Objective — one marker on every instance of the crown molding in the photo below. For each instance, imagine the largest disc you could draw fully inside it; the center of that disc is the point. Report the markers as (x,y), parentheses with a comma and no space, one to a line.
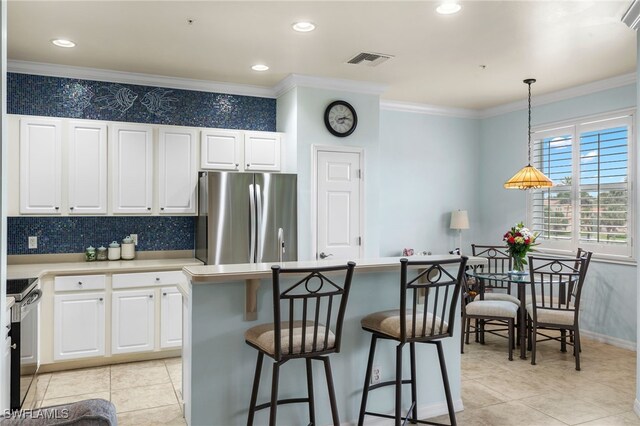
(632,16)
(561,95)
(67,71)
(389,105)
(300,80)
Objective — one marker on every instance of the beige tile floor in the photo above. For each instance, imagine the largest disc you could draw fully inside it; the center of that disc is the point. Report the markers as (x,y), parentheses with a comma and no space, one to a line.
(495,391)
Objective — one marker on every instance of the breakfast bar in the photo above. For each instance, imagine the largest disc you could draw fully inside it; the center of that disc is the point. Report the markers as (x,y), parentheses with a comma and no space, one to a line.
(222,301)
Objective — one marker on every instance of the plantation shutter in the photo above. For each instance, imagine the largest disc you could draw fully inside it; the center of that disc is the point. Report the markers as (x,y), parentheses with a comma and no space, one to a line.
(552,208)
(604,190)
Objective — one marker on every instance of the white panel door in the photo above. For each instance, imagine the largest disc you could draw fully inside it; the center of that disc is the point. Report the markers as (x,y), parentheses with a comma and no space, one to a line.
(177,171)
(79,326)
(132,321)
(221,150)
(132,168)
(87,168)
(338,205)
(262,151)
(40,166)
(170,318)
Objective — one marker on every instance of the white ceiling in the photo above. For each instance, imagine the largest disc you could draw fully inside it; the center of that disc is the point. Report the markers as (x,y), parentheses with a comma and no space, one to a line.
(437,59)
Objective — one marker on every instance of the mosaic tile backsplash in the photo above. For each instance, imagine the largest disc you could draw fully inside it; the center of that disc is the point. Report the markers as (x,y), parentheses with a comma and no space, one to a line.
(73,234)
(72,98)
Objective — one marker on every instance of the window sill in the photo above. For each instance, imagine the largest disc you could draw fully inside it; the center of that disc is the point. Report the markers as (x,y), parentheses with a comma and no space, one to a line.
(599,258)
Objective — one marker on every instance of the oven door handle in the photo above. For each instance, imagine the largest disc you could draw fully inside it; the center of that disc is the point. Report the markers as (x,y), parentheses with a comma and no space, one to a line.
(34,296)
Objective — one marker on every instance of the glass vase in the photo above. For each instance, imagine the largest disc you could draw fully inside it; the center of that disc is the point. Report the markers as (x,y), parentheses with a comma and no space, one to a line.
(518,264)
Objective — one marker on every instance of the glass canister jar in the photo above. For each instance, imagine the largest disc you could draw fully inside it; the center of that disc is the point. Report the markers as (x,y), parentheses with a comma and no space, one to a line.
(90,254)
(114,251)
(128,248)
(101,253)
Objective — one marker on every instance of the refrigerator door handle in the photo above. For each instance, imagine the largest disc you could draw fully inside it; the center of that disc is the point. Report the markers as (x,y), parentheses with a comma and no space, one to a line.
(252,224)
(259,218)
(280,245)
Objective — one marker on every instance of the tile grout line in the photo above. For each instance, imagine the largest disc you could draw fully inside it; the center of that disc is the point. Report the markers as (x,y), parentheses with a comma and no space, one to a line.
(173,385)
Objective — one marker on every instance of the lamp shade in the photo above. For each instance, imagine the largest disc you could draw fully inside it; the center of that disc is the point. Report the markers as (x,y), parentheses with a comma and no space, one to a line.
(527,178)
(459,219)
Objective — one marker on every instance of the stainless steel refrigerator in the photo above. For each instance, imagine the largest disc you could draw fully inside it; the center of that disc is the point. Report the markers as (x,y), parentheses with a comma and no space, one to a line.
(246,218)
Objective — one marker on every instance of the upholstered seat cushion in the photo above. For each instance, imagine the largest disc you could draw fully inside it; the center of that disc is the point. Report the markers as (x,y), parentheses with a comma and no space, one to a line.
(492,308)
(262,336)
(499,296)
(388,322)
(553,316)
(548,301)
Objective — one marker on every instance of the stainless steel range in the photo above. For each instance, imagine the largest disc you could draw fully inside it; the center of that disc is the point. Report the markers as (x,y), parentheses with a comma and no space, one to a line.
(24,337)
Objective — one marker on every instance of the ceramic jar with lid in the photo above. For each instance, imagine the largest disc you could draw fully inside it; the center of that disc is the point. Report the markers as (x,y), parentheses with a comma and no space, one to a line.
(101,253)
(128,248)
(90,254)
(114,251)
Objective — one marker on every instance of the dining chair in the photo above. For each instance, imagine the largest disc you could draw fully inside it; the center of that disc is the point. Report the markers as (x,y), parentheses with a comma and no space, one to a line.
(498,261)
(485,311)
(429,292)
(312,331)
(556,288)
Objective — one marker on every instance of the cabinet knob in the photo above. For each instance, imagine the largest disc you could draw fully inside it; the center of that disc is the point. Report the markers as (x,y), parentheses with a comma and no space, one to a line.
(248,164)
(148,208)
(237,165)
(79,282)
(101,299)
(157,278)
(151,296)
(70,208)
(14,346)
(161,208)
(57,208)
(164,294)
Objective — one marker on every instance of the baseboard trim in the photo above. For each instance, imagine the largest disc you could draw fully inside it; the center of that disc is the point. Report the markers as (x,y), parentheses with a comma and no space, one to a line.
(614,341)
(424,411)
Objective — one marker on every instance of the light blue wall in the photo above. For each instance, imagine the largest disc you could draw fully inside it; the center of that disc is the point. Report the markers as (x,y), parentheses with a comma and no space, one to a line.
(609,298)
(428,168)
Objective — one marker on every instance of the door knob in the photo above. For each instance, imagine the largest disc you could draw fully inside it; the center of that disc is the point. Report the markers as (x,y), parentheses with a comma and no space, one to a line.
(324,256)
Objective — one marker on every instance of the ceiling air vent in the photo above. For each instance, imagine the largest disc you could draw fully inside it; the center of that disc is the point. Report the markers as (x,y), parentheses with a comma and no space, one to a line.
(369,59)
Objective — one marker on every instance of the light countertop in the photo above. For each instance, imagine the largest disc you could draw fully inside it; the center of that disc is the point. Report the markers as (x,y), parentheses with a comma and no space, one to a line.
(10,302)
(246,271)
(39,270)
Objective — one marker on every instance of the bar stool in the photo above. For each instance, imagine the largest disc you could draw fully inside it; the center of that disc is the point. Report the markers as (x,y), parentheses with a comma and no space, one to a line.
(428,307)
(312,332)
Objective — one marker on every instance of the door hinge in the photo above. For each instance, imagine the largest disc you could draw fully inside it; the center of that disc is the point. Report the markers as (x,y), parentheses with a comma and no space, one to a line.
(359,241)
(359,173)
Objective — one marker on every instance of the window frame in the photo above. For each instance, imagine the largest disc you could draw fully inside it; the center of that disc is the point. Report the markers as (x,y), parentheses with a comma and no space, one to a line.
(575,128)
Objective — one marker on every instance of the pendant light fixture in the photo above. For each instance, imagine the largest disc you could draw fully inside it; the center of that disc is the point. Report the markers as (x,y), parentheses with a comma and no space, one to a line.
(528,177)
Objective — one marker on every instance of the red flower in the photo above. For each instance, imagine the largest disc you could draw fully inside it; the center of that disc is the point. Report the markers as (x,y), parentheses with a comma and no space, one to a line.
(511,240)
(518,234)
(527,241)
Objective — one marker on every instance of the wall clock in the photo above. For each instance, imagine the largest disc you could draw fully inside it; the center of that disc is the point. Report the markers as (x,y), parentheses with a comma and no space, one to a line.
(340,118)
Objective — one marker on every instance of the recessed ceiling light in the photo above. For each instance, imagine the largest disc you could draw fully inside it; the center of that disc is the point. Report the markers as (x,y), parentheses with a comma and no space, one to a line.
(304,27)
(448,8)
(61,42)
(259,67)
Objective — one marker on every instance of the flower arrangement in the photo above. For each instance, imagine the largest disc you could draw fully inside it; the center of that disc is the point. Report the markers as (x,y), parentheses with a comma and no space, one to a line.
(520,241)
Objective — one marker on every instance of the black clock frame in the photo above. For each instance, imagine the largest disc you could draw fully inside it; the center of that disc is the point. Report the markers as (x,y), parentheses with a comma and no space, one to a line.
(328,125)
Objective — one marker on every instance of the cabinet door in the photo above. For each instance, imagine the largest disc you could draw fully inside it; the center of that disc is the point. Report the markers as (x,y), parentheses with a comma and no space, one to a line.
(177,171)
(170,318)
(79,325)
(132,168)
(132,321)
(221,150)
(40,166)
(87,168)
(262,151)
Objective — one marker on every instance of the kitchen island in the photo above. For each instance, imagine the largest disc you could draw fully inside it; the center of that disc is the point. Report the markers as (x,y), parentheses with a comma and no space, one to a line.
(218,366)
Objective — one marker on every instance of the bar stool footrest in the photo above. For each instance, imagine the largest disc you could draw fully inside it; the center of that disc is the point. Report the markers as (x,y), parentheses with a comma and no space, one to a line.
(389,416)
(388,383)
(282,401)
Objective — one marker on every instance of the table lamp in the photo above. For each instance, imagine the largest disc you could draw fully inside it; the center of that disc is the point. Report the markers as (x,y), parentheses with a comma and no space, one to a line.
(459,221)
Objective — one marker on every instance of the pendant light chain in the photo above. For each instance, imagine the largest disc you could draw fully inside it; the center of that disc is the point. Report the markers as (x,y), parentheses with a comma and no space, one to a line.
(529,144)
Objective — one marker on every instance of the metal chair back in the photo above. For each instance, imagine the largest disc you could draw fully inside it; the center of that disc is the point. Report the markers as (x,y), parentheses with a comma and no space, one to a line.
(498,262)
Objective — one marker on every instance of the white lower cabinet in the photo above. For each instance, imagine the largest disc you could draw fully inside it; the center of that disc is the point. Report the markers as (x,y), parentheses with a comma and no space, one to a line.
(79,324)
(133,321)
(170,318)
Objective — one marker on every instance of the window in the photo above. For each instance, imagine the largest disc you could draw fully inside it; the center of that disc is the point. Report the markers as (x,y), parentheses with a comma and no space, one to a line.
(590,205)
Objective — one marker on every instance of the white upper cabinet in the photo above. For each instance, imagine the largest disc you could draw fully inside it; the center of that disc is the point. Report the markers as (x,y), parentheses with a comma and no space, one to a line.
(177,170)
(221,149)
(131,168)
(87,167)
(40,166)
(262,151)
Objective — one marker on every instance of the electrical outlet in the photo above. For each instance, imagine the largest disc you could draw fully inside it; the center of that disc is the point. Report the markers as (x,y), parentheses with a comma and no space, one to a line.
(376,375)
(134,237)
(33,242)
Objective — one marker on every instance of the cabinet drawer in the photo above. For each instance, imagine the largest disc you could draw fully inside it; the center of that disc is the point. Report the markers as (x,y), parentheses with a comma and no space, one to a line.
(147,279)
(79,282)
